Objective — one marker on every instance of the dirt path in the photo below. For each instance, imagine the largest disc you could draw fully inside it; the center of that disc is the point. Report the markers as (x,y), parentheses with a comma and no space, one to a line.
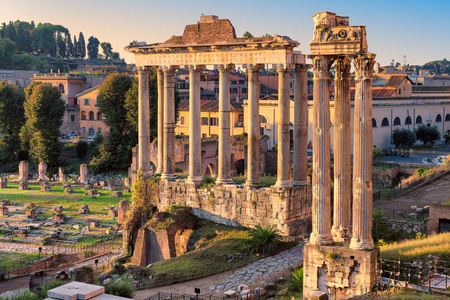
(187,287)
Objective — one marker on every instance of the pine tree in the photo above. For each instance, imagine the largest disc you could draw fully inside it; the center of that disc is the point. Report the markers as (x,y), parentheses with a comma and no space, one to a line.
(92,47)
(69,46)
(75,48)
(81,46)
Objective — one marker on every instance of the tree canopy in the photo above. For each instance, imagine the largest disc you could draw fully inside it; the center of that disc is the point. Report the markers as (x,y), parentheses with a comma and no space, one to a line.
(403,138)
(92,47)
(107,49)
(427,134)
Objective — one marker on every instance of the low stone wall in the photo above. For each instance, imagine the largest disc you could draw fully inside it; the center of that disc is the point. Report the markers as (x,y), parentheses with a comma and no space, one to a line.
(236,205)
(438,213)
(405,226)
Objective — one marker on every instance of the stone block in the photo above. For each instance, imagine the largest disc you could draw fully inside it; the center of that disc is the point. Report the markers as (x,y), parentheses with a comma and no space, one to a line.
(117,194)
(318,295)
(230,294)
(3,183)
(76,290)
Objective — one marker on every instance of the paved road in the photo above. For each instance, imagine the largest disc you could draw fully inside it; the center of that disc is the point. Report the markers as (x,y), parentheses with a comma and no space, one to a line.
(417,156)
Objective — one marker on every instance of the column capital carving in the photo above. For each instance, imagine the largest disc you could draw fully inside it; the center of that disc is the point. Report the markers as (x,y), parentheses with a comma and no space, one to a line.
(302,67)
(321,66)
(225,68)
(170,69)
(342,66)
(144,69)
(196,68)
(364,66)
(253,67)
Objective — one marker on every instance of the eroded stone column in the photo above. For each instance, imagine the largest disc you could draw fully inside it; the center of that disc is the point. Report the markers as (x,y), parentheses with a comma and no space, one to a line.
(300,162)
(24,170)
(84,174)
(362,154)
(160,80)
(283,176)
(169,124)
(253,125)
(321,206)
(42,169)
(195,142)
(224,170)
(342,150)
(144,121)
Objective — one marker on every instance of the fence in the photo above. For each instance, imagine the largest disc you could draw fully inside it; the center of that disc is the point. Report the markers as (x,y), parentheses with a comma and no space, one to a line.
(51,257)
(272,284)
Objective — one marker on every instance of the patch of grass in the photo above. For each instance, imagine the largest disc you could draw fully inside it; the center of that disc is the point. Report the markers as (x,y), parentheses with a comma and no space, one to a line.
(267,180)
(436,245)
(14,260)
(402,294)
(22,295)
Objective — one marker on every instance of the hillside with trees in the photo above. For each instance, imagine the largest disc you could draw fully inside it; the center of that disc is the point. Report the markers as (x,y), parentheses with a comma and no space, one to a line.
(45,46)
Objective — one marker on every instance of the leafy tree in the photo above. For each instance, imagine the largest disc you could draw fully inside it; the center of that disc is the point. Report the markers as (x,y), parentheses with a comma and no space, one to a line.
(82,149)
(69,46)
(446,137)
(247,34)
(267,35)
(92,47)
(107,49)
(44,111)
(115,55)
(60,45)
(377,154)
(7,53)
(427,134)
(263,238)
(75,48)
(81,46)
(11,108)
(403,138)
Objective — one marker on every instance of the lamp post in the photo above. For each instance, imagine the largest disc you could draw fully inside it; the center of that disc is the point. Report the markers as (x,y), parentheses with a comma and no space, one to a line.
(40,250)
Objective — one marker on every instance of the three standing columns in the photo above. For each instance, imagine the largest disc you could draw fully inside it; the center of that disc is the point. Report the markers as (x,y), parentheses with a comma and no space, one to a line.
(144,121)
(300,163)
(342,150)
(195,143)
(169,124)
(321,206)
(224,170)
(362,154)
(253,125)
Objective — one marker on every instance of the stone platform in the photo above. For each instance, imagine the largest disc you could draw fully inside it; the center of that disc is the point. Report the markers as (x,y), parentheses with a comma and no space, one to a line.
(80,291)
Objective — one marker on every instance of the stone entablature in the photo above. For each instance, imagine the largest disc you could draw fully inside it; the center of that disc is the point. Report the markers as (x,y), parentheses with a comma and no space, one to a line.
(235,205)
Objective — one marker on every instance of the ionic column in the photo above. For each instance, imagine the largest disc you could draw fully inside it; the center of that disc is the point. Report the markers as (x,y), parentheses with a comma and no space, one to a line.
(224,171)
(342,150)
(144,121)
(195,142)
(160,80)
(283,176)
(300,162)
(253,125)
(321,206)
(362,154)
(169,124)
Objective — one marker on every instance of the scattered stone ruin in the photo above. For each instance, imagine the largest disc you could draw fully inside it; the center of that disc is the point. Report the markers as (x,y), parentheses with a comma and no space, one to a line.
(84,210)
(42,171)
(62,177)
(84,174)
(30,210)
(338,262)
(59,216)
(3,209)
(124,206)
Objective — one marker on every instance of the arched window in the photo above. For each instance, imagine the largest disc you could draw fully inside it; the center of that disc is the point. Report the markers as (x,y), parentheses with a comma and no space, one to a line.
(262,119)
(374,123)
(91,131)
(99,131)
(83,115)
(447,117)
(408,120)
(439,118)
(83,131)
(385,122)
(61,88)
(91,115)
(99,116)
(419,120)
(397,121)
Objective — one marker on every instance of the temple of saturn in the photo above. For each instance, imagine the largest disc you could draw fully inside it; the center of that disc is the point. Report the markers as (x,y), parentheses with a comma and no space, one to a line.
(212,42)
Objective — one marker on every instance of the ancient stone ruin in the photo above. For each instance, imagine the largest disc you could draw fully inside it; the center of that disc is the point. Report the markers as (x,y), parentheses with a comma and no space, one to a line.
(338,262)
(62,177)
(59,216)
(42,171)
(3,183)
(84,174)
(3,210)
(84,210)
(30,210)
(124,206)
(23,175)
(45,186)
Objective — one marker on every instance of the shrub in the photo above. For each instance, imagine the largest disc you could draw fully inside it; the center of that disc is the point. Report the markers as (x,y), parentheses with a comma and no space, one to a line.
(295,284)
(403,138)
(179,170)
(121,289)
(51,284)
(82,149)
(263,238)
(419,172)
(88,253)
(427,134)
(22,295)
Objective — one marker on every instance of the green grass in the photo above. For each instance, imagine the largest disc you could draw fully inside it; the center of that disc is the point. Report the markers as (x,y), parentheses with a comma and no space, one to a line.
(10,257)
(437,245)
(56,196)
(265,180)
(402,294)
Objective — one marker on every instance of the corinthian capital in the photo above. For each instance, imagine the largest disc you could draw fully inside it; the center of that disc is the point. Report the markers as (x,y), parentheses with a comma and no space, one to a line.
(342,67)
(364,66)
(321,66)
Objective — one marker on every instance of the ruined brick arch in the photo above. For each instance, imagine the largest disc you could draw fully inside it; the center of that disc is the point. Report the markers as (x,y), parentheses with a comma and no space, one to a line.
(240,167)
(152,167)
(211,170)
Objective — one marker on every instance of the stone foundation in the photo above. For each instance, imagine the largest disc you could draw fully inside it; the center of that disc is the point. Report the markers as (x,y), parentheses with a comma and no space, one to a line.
(289,209)
(338,271)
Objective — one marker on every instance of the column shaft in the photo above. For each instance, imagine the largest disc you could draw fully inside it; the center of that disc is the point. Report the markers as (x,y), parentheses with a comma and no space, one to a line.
(144,122)
(342,150)
(253,126)
(160,81)
(195,142)
(362,154)
(224,170)
(300,162)
(283,165)
(321,206)
(169,124)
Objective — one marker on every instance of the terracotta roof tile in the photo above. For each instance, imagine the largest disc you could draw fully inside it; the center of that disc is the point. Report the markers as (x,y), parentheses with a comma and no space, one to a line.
(209,105)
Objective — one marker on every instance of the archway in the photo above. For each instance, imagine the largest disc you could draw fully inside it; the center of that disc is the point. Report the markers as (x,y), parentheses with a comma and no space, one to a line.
(210,170)
(240,167)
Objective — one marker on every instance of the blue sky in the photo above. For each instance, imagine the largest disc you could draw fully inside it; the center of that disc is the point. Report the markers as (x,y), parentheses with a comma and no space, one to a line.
(418,29)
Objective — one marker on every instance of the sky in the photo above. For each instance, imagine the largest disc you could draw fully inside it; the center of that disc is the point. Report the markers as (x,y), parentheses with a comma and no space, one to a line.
(416,29)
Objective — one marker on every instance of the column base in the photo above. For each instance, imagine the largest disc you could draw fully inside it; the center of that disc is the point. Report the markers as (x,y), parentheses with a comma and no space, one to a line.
(252,184)
(321,239)
(356,244)
(283,184)
(300,182)
(167,176)
(158,171)
(340,234)
(224,181)
(195,179)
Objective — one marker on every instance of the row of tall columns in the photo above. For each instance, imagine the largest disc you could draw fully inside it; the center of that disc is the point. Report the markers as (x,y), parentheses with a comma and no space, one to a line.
(322,233)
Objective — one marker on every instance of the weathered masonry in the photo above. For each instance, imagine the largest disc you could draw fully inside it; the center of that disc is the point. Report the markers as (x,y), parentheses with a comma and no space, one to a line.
(339,262)
(212,42)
